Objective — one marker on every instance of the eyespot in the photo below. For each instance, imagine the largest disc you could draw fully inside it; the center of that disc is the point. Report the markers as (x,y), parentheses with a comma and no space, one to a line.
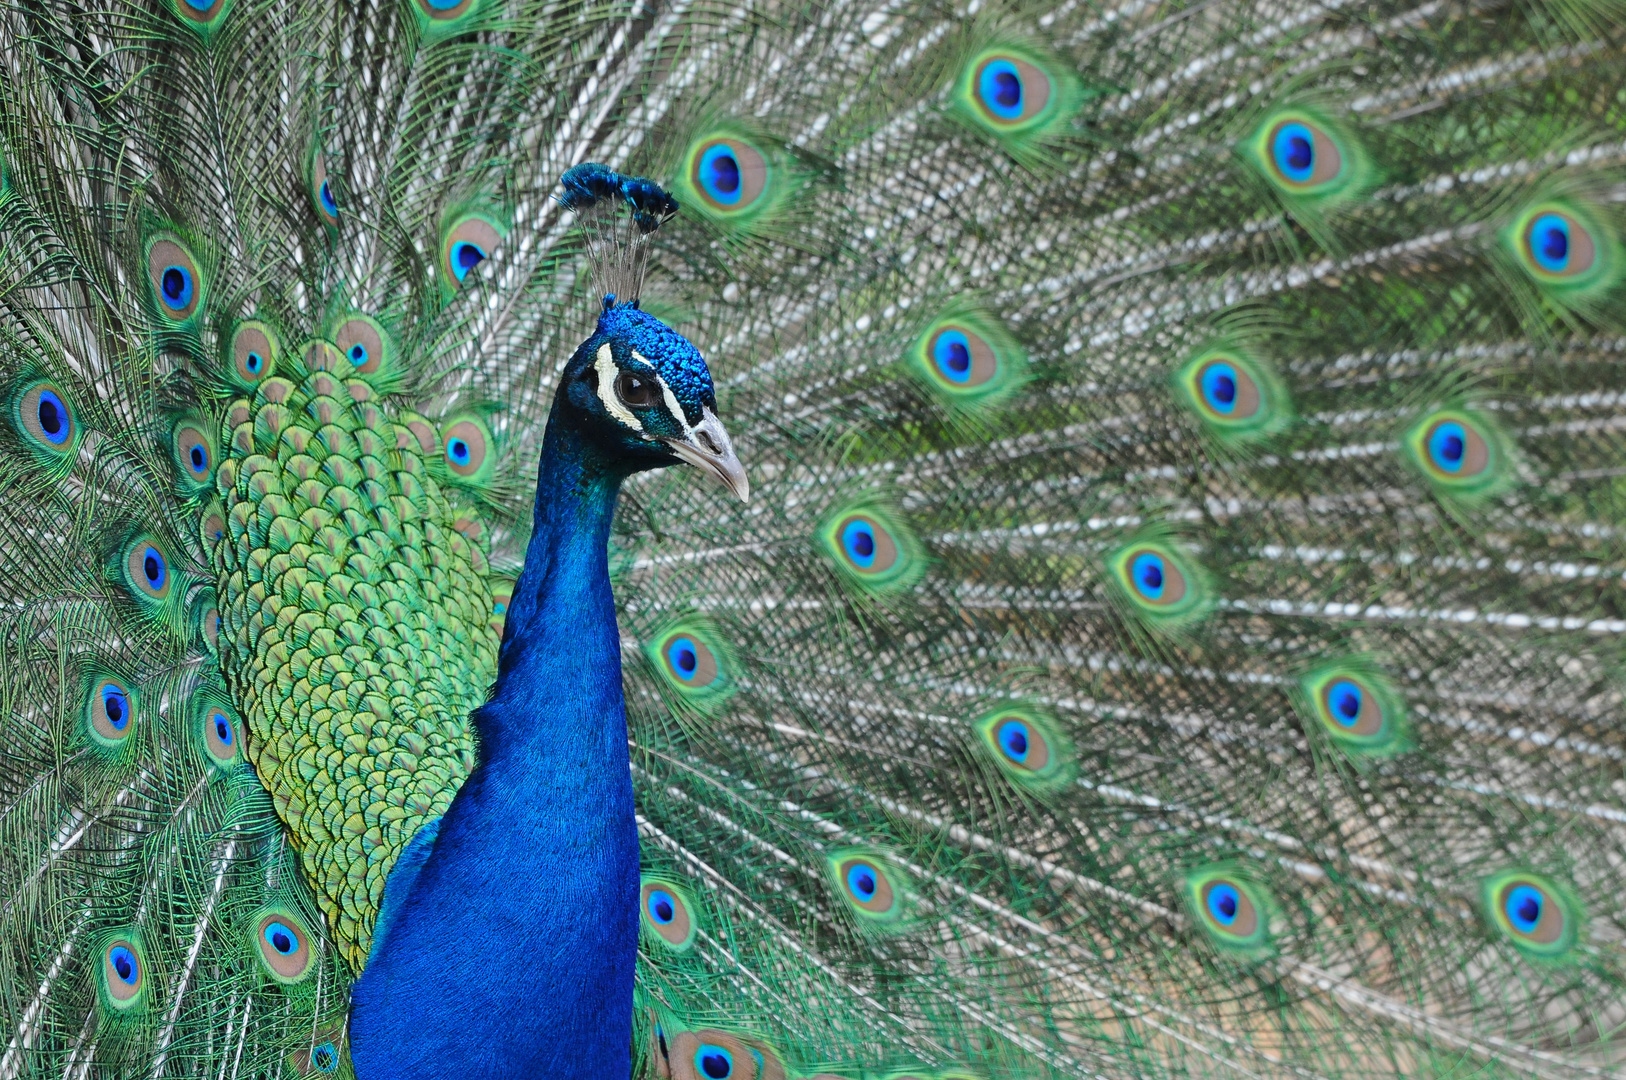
(1533,913)
(1356,705)
(1558,245)
(666,913)
(147,569)
(212,529)
(636,391)
(1029,748)
(1233,910)
(694,660)
(1459,452)
(110,711)
(502,595)
(220,727)
(1010,91)
(969,362)
(961,357)
(325,1058)
(253,352)
(466,245)
(123,973)
(467,448)
(194,454)
(45,418)
(867,885)
(361,342)
(713,1062)
(1304,155)
(176,284)
(871,886)
(322,198)
(729,174)
(283,945)
(1236,395)
(209,626)
(1161,584)
(1155,578)
(871,549)
(710,1054)
(444,10)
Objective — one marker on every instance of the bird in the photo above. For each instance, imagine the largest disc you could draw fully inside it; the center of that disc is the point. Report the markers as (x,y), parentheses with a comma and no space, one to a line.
(941,539)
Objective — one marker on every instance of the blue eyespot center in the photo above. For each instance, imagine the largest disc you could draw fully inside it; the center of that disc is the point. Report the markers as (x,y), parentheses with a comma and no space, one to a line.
(1147,572)
(358,354)
(1224,903)
(465,257)
(858,540)
(53,417)
(124,964)
(714,1062)
(152,567)
(281,938)
(1294,151)
(199,459)
(222,728)
(1345,699)
(1448,446)
(175,286)
(1219,387)
(1000,88)
(861,881)
(1550,243)
(1523,905)
(329,204)
(951,352)
(662,907)
(685,657)
(720,174)
(116,707)
(325,1058)
(1013,739)
(458,451)
(253,363)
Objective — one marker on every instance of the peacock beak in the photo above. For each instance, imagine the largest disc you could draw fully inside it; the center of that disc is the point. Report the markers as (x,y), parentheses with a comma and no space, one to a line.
(708,448)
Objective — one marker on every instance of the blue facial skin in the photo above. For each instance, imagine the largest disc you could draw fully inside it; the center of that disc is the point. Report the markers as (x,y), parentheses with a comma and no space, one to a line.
(509,929)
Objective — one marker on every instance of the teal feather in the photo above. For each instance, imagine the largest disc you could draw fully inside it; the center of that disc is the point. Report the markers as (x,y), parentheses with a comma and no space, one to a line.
(1431,866)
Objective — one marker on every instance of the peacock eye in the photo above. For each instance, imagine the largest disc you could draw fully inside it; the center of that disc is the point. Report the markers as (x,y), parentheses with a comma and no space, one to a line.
(635,391)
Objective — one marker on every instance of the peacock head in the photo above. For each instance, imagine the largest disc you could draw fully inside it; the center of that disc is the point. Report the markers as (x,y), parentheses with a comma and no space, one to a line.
(637,389)
(641,393)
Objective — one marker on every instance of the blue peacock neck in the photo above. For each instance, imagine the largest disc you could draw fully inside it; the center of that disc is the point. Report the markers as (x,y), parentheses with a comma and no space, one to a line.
(512,933)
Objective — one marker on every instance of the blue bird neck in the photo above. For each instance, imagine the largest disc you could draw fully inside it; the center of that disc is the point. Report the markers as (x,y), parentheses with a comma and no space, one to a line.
(512,931)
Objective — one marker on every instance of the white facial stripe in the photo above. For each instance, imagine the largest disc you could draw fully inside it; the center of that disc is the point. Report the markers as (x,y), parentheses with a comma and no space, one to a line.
(673,407)
(604,364)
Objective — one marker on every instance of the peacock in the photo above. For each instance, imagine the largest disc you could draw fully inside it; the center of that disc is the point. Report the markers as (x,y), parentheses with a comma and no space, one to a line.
(822,540)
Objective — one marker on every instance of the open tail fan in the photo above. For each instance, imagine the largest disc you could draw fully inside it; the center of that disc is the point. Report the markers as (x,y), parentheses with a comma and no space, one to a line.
(1177,628)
